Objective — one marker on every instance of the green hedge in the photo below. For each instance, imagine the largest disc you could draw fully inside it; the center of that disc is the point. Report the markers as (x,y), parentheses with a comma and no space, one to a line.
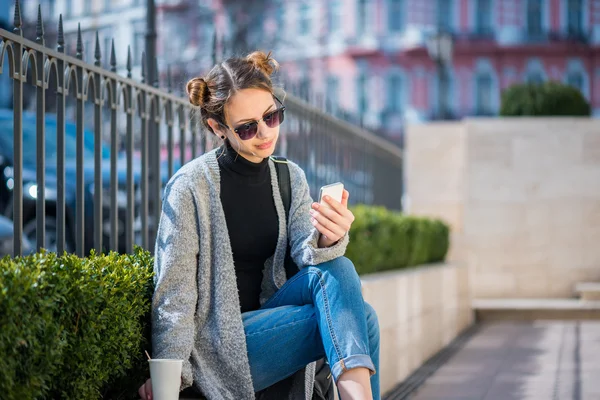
(382,240)
(545,99)
(72,328)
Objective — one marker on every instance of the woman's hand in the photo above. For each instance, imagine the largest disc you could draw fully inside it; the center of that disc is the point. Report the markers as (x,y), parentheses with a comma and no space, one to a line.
(145,391)
(332,222)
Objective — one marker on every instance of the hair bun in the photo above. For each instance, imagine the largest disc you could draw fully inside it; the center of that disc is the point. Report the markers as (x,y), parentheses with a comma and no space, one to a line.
(197,90)
(263,61)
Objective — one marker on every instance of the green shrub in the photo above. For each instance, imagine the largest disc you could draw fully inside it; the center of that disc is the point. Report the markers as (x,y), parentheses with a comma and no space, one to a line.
(74,328)
(422,240)
(545,99)
(440,241)
(382,240)
(370,226)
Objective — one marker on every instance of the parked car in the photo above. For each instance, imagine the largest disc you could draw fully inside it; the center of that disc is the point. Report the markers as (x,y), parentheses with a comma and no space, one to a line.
(30,185)
(7,238)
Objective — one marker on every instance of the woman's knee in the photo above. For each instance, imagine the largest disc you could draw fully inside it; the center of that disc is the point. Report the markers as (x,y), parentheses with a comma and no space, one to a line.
(341,269)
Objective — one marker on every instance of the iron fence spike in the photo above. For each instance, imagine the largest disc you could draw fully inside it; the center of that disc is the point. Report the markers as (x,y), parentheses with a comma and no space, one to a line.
(156,75)
(128,61)
(61,35)
(113,57)
(79,47)
(39,28)
(143,67)
(169,79)
(97,52)
(17,19)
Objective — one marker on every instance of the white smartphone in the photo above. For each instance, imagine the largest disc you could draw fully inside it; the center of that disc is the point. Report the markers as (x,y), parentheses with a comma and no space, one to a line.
(335,190)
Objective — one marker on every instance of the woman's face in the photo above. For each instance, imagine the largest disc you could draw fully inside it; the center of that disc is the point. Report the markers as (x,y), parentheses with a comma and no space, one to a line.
(246,106)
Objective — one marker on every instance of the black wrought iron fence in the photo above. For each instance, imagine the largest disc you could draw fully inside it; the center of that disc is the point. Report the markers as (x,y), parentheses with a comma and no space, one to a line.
(331,150)
(74,188)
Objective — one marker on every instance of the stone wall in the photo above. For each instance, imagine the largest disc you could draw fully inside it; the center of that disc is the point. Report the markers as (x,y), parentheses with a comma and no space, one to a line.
(420,311)
(522,196)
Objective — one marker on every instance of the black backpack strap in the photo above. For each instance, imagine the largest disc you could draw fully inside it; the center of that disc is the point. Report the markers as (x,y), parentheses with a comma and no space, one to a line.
(285,184)
(285,189)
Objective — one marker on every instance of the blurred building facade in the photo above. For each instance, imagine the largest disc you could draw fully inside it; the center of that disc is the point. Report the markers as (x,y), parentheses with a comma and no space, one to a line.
(364,60)
(369,57)
(184,31)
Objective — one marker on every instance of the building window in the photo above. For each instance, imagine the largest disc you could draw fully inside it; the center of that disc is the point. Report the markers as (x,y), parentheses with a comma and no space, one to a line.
(304,22)
(280,15)
(575,79)
(304,88)
(207,31)
(535,77)
(362,17)
(395,15)
(484,94)
(361,91)
(51,9)
(87,7)
(483,22)
(68,8)
(534,71)
(333,87)
(88,50)
(534,18)
(574,17)
(394,93)
(107,48)
(444,15)
(334,14)
(139,43)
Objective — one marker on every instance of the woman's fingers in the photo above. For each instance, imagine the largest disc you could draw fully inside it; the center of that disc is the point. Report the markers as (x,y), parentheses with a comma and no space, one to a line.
(331,216)
(327,227)
(325,232)
(345,196)
(145,390)
(142,392)
(336,206)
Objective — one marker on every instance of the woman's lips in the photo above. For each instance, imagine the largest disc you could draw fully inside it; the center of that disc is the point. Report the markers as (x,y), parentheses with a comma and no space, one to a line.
(265,146)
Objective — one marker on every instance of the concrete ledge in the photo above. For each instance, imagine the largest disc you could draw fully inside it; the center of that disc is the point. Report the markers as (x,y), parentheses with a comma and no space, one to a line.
(420,310)
(533,309)
(589,291)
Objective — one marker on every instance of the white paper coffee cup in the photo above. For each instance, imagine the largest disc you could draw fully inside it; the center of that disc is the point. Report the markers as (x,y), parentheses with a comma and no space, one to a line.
(166,378)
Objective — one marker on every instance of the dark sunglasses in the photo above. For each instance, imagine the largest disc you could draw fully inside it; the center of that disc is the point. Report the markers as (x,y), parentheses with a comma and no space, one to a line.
(273,119)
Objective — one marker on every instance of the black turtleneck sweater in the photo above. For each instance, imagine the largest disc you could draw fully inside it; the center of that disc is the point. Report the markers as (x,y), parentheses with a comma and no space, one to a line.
(252,221)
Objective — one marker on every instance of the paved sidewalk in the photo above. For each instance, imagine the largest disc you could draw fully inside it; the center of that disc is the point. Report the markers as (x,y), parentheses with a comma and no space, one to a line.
(541,360)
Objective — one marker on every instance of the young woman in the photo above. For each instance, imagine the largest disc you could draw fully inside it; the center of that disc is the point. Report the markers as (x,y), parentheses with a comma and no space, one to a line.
(222,302)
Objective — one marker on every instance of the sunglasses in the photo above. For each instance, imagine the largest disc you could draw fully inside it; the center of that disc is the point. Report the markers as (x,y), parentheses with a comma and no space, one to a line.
(272,119)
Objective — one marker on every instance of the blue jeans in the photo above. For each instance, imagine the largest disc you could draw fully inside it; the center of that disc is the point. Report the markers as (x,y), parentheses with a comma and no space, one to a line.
(318,312)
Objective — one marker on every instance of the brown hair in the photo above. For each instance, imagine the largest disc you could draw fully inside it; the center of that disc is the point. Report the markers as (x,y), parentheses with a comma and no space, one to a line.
(211,93)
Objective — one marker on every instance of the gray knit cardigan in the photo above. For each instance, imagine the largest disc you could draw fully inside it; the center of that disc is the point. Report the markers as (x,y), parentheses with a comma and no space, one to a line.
(195,308)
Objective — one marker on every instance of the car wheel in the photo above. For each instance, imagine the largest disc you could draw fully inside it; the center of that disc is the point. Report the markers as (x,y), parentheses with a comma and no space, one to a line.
(30,228)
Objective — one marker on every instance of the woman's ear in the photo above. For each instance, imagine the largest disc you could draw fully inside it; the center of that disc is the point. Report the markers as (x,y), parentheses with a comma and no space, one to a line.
(216,127)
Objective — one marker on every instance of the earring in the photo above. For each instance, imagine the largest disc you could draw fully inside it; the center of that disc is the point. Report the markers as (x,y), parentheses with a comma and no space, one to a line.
(222,136)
